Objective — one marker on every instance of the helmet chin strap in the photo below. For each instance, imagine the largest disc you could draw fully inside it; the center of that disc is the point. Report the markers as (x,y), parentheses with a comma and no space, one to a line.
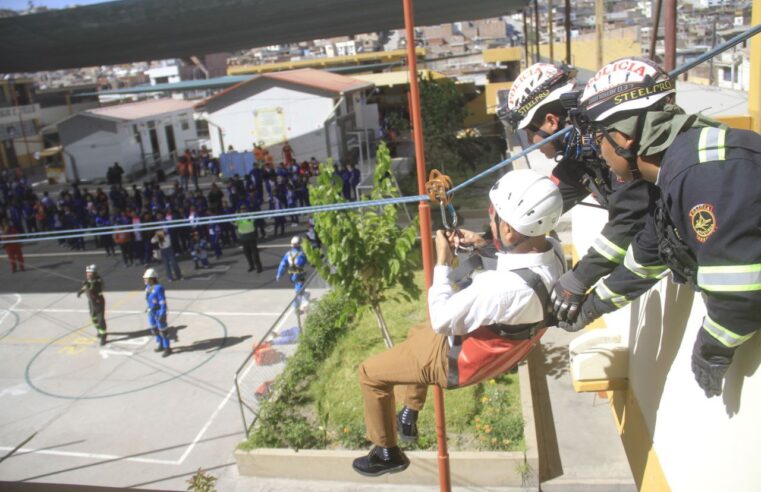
(631,157)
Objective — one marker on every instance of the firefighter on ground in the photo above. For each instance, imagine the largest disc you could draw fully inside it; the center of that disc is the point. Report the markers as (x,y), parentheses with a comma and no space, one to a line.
(534,105)
(157,311)
(475,333)
(294,262)
(93,288)
(704,227)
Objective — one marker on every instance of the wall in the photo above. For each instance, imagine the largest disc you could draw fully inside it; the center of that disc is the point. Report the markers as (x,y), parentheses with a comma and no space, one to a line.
(54,114)
(302,114)
(93,154)
(675,437)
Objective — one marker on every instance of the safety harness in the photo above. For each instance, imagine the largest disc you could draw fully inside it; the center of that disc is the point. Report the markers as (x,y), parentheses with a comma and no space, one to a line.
(673,250)
(494,349)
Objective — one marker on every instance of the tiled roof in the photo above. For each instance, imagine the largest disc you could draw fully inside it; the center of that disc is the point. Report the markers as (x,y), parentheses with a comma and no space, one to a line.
(142,109)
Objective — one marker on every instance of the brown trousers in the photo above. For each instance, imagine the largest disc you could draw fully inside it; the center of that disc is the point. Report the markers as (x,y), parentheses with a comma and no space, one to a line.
(418,362)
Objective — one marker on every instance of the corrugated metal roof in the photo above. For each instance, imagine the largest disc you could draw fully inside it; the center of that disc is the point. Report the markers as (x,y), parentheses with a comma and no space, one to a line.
(307,77)
(142,109)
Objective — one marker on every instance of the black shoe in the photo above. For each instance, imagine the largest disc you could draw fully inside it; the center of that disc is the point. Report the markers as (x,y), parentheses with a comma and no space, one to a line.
(102,339)
(250,269)
(167,352)
(407,431)
(158,349)
(381,460)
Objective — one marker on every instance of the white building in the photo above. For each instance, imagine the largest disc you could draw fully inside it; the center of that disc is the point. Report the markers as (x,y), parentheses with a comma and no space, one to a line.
(139,136)
(321,114)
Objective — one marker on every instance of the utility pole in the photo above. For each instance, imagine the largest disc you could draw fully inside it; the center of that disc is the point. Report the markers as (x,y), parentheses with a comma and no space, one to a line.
(599,26)
(568,31)
(525,38)
(669,58)
(552,35)
(536,31)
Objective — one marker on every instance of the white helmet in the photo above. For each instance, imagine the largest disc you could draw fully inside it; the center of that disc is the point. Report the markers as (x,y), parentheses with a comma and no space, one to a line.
(624,85)
(91,268)
(151,273)
(296,241)
(529,202)
(538,85)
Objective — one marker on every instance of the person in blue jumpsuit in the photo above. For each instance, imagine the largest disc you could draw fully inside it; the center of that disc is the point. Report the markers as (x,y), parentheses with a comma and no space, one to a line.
(157,311)
(294,262)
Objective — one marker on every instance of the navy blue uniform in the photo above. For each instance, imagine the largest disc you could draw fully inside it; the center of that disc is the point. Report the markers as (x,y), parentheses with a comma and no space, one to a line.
(627,205)
(708,183)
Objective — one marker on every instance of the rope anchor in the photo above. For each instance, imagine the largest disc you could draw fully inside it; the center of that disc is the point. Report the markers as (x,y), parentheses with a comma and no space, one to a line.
(438,187)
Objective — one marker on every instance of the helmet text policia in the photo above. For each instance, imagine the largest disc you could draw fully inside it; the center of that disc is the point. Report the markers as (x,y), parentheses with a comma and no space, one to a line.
(535,87)
(91,268)
(529,202)
(625,86)
(151,273)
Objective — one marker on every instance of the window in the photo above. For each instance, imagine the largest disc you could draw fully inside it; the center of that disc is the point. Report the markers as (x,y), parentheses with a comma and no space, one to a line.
(726,74)
(185,125)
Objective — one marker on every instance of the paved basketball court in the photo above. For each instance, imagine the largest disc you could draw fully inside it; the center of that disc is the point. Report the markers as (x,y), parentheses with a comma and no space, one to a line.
(122,415)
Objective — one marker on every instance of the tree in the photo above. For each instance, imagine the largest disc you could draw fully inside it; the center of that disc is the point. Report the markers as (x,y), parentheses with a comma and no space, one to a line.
(443,112)
(366,252)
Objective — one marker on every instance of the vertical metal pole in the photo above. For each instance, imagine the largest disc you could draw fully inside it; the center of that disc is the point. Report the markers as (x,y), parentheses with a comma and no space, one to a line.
(525,38)
(425,229)
(568,32)
(599,26)
(656,23)
(20,121)
(536,31)
(754,91)
(550,21)
(669,59)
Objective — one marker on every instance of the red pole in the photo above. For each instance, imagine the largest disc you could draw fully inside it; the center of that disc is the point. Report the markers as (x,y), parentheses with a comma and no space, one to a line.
(425,229)
(669,58)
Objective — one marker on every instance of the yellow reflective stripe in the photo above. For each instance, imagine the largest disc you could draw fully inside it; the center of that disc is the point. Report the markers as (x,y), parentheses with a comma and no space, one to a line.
(642,271)
(722,334)
(711,144)
(720,144)
(606,294)
(608,250)
(734,278)
(702,144)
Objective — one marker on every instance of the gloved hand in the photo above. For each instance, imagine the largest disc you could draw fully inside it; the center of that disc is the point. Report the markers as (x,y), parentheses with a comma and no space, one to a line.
(591,309)
(710,360)
(567,296)
(277,278)
(79,294)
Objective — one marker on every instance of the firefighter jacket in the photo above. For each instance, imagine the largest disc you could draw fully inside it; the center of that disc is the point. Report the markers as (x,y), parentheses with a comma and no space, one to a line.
(708,183)
(627,205)
(93,289)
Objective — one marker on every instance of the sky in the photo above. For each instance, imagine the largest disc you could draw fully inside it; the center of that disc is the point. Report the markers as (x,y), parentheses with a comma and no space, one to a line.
(54,4)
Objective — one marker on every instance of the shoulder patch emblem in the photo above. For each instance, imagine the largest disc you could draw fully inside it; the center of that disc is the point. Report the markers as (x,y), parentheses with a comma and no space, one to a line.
(703,221)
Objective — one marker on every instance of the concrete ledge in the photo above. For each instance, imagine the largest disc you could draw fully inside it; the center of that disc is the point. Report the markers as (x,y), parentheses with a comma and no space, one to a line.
(467,468)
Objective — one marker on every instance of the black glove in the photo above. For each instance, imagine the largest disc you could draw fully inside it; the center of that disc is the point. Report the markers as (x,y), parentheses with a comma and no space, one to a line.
(591,309)
(567,296)
(79,294)
(710,360)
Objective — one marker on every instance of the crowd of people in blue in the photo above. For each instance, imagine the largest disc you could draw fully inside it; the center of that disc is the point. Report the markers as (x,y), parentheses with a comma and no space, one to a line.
(82,206)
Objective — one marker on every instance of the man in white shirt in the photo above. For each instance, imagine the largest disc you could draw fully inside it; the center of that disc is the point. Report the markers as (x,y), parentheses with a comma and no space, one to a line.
(477,332)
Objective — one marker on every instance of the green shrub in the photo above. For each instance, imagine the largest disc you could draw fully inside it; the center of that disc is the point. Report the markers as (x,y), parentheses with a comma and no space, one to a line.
(282,422)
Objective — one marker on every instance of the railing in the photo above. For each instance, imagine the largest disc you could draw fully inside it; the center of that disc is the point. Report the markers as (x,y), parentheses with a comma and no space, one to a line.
(251,402)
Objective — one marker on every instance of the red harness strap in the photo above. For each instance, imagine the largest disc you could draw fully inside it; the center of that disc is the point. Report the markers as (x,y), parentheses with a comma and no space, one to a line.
(492,350)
